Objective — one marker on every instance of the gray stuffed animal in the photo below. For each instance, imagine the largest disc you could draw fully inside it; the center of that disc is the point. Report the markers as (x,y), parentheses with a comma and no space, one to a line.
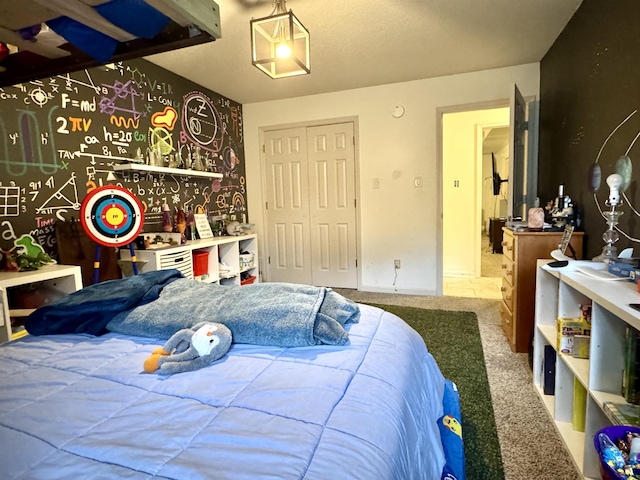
(190,349)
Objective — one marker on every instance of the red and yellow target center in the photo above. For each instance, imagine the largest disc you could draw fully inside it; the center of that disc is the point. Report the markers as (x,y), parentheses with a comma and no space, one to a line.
(114,216)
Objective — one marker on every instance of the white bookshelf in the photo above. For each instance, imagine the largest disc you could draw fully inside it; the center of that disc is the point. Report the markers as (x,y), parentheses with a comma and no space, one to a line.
(220,249)
(559,292)
(58,279)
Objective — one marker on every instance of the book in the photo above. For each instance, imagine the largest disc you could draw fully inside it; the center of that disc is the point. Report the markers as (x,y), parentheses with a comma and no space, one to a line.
(579,405)
(549,370)
(628,268)
(622,413)
(631,373)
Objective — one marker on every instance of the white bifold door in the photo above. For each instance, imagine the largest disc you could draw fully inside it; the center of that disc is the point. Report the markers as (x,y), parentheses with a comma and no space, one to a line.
(311,205)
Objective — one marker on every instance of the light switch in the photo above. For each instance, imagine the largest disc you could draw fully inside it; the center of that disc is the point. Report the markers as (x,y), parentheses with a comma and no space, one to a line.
(376,182)
(417,182)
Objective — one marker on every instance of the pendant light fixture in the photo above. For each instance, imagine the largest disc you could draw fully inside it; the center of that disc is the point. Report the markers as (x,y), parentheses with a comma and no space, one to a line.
(280,43)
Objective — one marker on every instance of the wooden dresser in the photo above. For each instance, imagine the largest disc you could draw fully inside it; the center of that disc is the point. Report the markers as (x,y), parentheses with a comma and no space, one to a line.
(520,251)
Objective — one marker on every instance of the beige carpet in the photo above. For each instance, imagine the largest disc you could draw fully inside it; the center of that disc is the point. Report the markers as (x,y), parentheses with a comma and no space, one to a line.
(530,445)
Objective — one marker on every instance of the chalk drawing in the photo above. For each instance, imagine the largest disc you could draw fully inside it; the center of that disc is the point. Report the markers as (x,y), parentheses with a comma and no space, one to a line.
(65,197)
(236,122)
(124,122)
(201,121)
(160,137)
(125,95)
(166,118)
(9,201)
(89,83)
(38,96)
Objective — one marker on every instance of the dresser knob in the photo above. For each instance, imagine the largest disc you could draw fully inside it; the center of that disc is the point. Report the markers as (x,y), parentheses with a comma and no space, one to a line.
(503,289)
(504,265)
(508,272)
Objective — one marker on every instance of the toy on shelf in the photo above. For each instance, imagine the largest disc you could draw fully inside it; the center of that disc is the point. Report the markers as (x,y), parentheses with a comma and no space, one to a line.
(25,255)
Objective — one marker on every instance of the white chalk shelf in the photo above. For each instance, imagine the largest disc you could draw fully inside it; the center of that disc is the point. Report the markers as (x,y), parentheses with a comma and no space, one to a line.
(141,167)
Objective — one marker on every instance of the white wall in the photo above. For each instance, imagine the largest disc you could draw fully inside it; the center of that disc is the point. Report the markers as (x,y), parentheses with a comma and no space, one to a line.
(397,220)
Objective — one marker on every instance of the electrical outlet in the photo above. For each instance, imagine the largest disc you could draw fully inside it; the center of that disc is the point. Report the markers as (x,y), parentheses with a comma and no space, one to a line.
(396,264)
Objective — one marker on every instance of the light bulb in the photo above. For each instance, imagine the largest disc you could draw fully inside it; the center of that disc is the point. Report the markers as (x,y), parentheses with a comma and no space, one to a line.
(283,50)
(614,181)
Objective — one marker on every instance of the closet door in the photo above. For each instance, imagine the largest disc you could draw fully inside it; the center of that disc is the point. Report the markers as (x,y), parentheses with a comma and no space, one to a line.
(311,212)
(332,205)
(289,248)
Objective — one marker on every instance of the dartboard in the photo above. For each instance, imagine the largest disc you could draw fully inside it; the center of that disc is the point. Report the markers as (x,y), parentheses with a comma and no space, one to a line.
(111,216)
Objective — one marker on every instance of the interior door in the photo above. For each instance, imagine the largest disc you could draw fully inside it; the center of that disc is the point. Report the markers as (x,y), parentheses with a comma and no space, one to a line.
(517,203)
(289,247)
(332,205)
(311,212)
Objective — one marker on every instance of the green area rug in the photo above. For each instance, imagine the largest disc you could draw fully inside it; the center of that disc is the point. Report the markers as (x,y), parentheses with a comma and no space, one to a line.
(453,338)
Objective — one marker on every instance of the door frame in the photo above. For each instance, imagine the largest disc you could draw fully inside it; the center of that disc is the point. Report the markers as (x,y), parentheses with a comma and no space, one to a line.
(480,126)
(440,112)
(356,154)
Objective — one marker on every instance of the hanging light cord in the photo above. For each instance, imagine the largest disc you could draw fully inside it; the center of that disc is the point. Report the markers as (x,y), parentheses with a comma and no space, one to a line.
(279,6)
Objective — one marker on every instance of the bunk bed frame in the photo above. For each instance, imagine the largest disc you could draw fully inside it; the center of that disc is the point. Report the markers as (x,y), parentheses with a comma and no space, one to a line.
(192,22)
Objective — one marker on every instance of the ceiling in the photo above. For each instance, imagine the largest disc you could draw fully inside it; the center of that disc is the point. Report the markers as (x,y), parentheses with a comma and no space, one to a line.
(496,139)
(358,43)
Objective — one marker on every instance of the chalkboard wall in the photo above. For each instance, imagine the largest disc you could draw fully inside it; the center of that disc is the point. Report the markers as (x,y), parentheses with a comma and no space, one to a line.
(61,136)
(589,85)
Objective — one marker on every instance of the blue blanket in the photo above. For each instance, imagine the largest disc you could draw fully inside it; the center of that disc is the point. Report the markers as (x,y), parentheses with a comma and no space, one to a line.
(90,309)
(76,406)
(279,314)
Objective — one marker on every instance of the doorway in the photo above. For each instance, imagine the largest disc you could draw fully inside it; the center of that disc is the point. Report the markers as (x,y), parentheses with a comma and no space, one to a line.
(311,205)
(475,143)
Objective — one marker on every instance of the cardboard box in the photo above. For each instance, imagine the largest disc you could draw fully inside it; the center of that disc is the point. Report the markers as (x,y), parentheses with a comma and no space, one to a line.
(566,329)
(581,346)
(625,268)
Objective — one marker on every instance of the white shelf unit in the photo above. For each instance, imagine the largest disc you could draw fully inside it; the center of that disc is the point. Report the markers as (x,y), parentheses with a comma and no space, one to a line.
(220,249)
(142,167)
(559,292)
(59,280)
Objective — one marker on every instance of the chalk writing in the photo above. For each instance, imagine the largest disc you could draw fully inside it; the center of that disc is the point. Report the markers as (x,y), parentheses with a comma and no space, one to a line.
(60,138)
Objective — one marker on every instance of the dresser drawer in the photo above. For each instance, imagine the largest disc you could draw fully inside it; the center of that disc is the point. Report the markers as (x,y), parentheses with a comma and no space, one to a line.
(506,317)
(507,246)
(507,294)
(507,270)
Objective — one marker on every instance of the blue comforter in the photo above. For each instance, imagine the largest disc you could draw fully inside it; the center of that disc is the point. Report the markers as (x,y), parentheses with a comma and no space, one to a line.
(77,406)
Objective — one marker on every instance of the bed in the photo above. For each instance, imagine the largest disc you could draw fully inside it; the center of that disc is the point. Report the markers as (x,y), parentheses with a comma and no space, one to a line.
(77,405)
(54,37)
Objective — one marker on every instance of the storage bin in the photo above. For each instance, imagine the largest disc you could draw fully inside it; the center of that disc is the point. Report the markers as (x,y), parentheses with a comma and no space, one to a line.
(614,432)
(246,261)
(200,262)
